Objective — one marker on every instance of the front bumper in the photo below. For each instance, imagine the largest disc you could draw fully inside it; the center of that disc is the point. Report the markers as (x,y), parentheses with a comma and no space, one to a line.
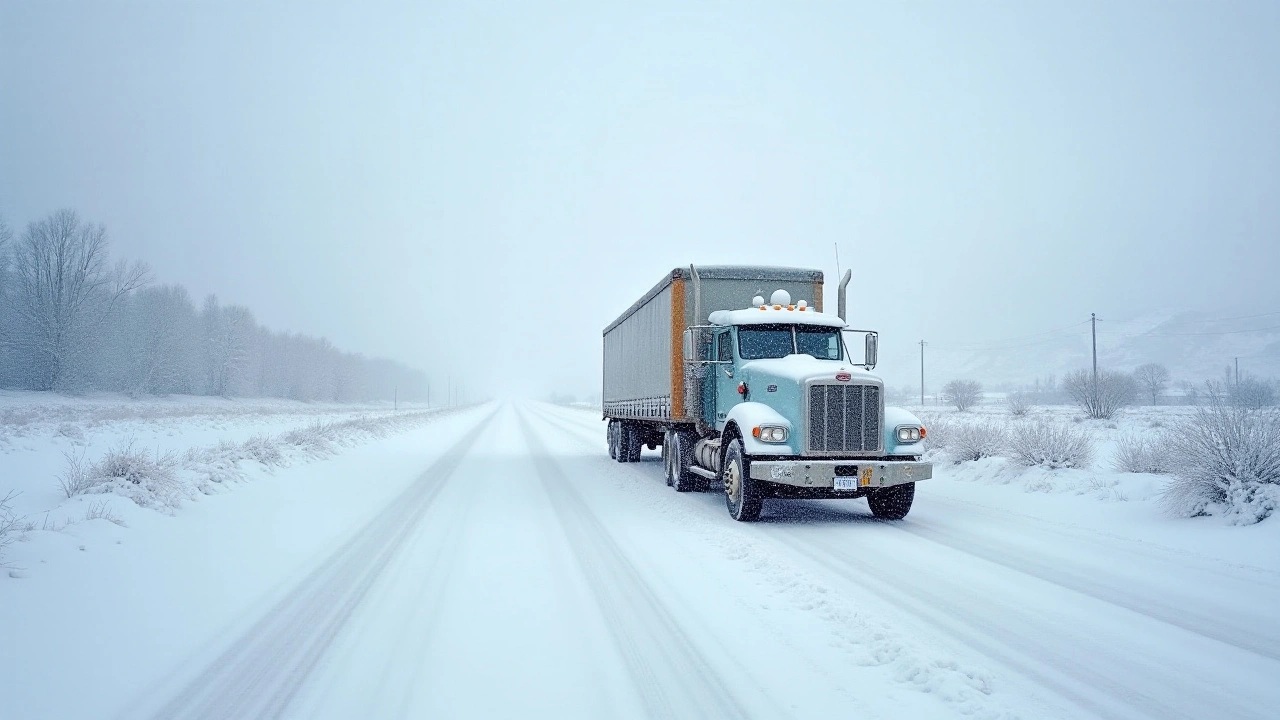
(822,473)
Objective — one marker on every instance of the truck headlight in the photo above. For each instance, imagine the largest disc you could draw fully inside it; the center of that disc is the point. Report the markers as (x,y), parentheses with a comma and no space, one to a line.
(909,433)
(769,433)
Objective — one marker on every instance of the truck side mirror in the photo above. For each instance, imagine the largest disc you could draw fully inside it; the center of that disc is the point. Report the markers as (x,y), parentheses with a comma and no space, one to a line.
(697,344)
(872,350)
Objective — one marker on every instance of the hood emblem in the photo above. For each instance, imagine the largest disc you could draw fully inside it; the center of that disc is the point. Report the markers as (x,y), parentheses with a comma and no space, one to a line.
(843,376)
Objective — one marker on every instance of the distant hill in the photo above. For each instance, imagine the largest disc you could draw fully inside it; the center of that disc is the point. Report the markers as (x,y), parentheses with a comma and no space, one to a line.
(1194,345)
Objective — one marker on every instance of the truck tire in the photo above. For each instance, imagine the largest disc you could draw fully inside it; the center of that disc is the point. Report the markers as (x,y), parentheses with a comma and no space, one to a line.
(681,454)
(892,503)
(612,434)
(741,494)
(628,443)
(668,443)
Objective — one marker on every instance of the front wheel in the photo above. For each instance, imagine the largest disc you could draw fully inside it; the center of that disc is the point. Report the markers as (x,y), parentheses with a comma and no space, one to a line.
(740,492)
(892,503)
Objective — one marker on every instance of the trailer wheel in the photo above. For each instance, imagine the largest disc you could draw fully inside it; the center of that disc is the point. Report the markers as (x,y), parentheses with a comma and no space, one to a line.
(892,503)
(612,434)
(740,492)
(668,443)
(681,454)
(629,443)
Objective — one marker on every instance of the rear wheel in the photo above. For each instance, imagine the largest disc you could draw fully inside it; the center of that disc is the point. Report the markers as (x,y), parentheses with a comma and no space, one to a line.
(892,503)
(681,453)
(668,443)
(612,434)
(741,494)
(628,443)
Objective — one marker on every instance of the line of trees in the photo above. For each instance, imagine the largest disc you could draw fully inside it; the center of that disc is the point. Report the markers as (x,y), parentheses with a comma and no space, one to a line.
(71,320)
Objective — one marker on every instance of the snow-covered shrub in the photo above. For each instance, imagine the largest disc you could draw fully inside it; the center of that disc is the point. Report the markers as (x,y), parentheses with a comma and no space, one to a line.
(146,478)
(9,523)
(1142,453)
(264,449)
(1051,445)
(1226,461)
(1103,399)
(975,440)
(76,476)
(71,432)
(937,429)
(102,511)
(1019,404)
(964,394)
(315,439)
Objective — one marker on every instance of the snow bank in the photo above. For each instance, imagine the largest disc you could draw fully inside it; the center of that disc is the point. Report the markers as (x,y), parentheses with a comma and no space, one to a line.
(1215,460)
(162,481)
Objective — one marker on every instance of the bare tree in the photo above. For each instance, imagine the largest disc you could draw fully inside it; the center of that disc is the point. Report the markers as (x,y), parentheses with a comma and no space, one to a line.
(964,394)
(228,337)
(1250,392)
(1019,403)
(1153,378)
(6,236)
(1103,399)
(162,329)
(1191,392)
(63,288)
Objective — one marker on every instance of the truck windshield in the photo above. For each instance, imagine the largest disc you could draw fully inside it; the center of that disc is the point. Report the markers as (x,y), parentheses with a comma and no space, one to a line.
(774,341)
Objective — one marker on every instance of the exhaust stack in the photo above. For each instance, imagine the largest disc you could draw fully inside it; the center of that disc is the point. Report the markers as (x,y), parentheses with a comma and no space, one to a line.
(697,296)
(844,282)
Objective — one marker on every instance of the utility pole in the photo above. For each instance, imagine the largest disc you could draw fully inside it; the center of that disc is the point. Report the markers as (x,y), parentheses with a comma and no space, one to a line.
(395,399)
(922,344)
(1237,372)
(1093,320)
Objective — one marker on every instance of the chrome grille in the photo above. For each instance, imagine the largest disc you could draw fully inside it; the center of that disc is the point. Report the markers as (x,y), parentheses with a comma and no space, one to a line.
(844,418)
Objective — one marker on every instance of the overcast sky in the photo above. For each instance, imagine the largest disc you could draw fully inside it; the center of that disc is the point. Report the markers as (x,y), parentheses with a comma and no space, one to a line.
(478,190)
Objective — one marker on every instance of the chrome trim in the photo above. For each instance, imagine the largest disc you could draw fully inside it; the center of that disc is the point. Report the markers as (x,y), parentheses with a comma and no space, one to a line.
(822,473)
(807,451)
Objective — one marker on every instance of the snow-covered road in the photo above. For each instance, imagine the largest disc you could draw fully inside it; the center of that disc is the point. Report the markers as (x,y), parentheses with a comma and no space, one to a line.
(499,564)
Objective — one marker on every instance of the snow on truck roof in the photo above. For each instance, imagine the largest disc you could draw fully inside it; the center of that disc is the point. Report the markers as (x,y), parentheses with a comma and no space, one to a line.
(778,310)
(773,315)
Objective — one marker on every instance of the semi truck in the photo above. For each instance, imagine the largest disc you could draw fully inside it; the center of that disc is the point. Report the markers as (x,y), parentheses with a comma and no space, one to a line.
(747,386)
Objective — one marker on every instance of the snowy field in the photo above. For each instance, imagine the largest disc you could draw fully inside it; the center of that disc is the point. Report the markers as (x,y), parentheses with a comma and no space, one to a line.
(494,562)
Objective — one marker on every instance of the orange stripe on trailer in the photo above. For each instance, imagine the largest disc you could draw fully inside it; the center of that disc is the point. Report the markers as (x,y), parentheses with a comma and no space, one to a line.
(677,347)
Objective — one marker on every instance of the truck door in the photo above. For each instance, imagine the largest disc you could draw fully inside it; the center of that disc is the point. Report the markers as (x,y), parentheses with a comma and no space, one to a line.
(726,381)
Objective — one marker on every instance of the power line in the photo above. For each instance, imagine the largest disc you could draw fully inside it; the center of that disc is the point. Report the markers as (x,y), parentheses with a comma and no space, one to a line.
(1188,334)
(1207,320)
(1001,341)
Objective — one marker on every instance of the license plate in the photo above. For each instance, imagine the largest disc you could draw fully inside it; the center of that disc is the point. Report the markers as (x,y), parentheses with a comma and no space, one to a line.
(846,483)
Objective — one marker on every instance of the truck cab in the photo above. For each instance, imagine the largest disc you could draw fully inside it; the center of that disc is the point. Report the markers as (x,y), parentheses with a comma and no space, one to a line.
(789,412)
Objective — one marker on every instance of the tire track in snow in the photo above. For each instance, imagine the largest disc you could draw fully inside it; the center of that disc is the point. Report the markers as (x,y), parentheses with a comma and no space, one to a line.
(1015,636)
(1255,640)
(672,677)
(262,672)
